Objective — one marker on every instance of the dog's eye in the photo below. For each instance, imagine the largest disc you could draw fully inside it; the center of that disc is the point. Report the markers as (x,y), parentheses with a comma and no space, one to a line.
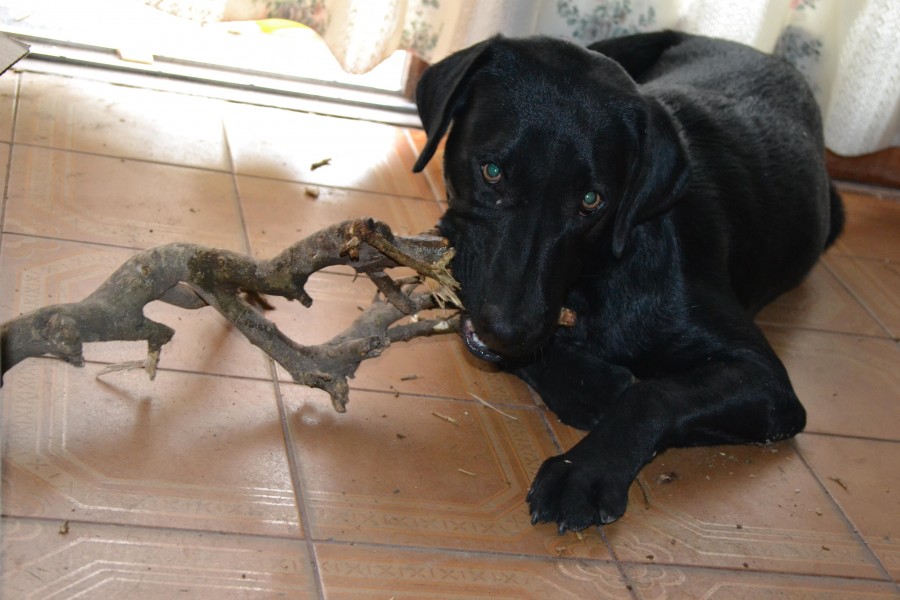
(591,202)
(491,172)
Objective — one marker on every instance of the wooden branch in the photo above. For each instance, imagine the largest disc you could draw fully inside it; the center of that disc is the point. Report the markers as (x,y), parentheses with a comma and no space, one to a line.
(192,276)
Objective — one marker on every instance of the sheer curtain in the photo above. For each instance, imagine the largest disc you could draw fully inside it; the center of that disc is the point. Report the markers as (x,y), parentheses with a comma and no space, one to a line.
(848,50)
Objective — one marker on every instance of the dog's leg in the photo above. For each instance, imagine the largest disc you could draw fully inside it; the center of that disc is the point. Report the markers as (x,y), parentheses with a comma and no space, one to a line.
(738,395)
(578,387)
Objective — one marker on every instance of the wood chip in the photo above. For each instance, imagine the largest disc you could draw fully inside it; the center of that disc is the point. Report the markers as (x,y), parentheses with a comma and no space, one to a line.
(667,477)
(445,418)
(469,473)
(320,164)
(644,493)
(311,192)
(567,317)
(840,482)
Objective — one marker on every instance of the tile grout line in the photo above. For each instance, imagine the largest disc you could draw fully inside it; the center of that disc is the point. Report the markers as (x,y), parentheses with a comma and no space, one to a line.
(224,171)
(49,520)
(788,327)
(629,585)
(236,190)
(12,144)
(303,508)
(847,436)
(844,516)
(855,296)
(880,192)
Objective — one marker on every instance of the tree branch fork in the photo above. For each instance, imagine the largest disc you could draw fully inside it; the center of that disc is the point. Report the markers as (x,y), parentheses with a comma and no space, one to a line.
(192,276)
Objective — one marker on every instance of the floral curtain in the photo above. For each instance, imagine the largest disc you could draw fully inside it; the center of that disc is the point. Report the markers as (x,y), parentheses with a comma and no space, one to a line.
(849,51)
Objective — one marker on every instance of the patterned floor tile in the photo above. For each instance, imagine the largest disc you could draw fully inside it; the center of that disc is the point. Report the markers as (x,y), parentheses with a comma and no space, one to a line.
(876,283)
(843,381)
(658,583)
(424,473)
(73,196)
(379,573)
(821,302)
(280,213)
(61,559)
(9,82)
(862,477)
(188,451)
(871,229)
(739,507)
(100,118)
(328,151)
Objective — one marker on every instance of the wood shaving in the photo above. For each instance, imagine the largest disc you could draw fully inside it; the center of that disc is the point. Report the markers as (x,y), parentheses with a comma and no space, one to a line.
(840,482)
(445,418)
(567,317)
(494,408)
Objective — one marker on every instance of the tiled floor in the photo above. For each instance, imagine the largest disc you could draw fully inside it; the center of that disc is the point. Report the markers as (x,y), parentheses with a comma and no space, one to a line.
(221,479)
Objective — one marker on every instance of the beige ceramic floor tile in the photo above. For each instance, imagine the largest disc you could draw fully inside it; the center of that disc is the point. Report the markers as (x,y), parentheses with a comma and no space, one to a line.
(8,84)
(102,561)
(738,507)
(397,470)
(871,228)
(731,506)
(115,201)
(100,118)
(282,144)
(821,302)
(863,478)
(441,366)
(657,583)
(848,384)
(438,366)
(186,451)
(381,573)
(876,283)
(37,272)
(280,213)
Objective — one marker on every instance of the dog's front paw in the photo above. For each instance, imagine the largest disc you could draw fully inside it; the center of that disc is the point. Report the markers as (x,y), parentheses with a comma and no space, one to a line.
(577,494)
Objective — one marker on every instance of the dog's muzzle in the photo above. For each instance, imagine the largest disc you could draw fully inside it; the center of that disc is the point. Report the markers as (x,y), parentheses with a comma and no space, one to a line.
(475,344)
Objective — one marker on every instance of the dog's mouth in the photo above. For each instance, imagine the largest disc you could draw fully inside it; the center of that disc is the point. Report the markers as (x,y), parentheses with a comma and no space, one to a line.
(475,344)
(479,348)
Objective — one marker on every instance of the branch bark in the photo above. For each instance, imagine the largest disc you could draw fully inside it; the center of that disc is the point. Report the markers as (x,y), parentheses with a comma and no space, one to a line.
(192,276)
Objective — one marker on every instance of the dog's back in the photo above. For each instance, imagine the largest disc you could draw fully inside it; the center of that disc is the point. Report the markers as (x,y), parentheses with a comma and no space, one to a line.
(744,116)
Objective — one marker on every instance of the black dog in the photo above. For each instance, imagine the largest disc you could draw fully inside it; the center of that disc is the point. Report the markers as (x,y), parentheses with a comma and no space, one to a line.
(663,186)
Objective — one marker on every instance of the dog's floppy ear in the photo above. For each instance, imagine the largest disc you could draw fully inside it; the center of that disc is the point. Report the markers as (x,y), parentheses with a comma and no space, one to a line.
(658,174)
(441,92)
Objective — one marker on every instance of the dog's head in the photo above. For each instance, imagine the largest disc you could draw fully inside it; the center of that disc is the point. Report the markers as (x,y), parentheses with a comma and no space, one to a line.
(553,157)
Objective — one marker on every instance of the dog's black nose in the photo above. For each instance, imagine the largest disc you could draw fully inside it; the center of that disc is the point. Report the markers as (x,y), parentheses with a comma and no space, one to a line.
(503,331)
